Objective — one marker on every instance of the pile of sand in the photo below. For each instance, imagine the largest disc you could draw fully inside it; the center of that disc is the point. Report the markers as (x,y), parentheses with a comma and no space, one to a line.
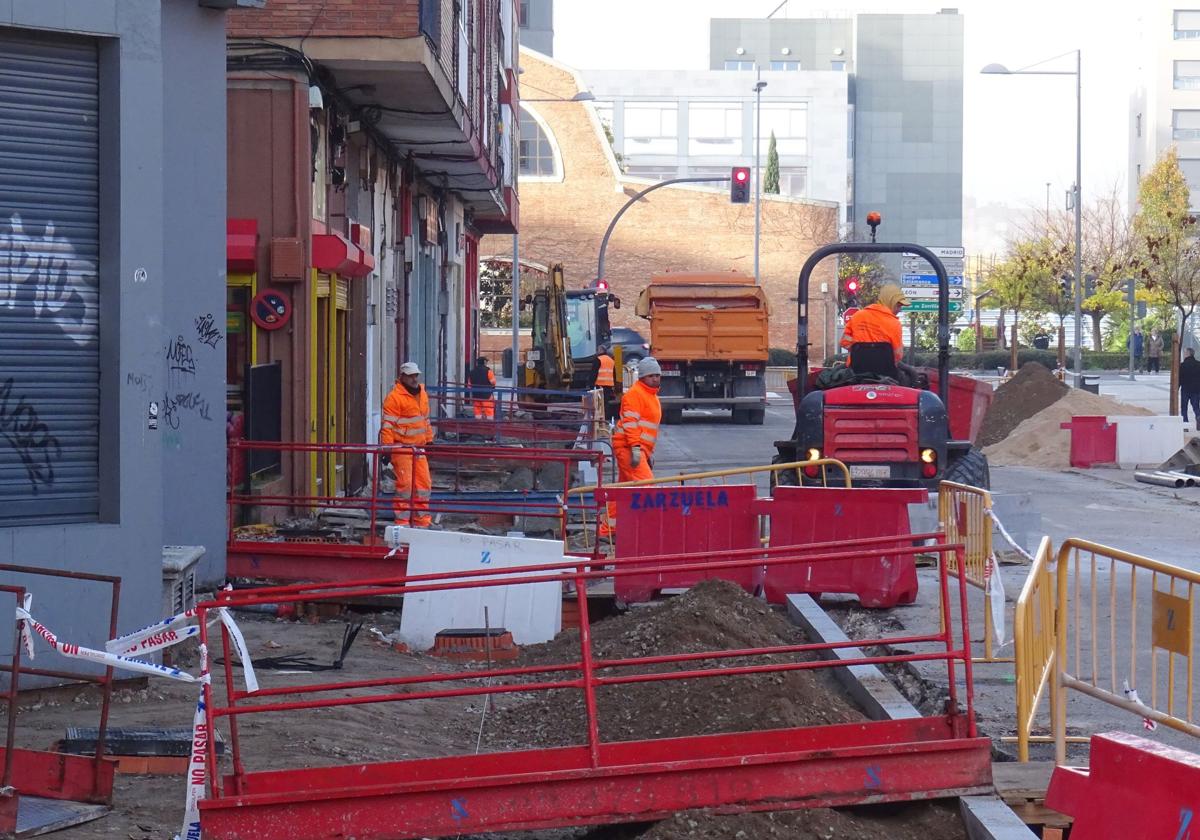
(1032,389)
(1040,441)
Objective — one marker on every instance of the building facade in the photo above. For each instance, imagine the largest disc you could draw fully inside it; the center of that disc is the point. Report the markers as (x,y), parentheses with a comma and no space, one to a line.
(1165,104)
(904,106)
(112,189)
(536,18)
(572,186)
(674,124)
(368,154)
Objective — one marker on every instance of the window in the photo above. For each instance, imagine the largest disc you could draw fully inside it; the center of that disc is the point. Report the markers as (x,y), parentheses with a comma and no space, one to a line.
(1139,125)
(789,121)
(838,65)
(714,128)
(537,157)
(604,110)
(651,128)
(1187,24)
(785,65)
(1187,74)
(1190,167)
(523,13)
(1185,125)
(739,65)
(654,173)
(793,181)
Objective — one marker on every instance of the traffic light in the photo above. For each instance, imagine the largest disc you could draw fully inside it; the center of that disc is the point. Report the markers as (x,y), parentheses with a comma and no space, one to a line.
(852,288)
(1066,286)
(739,185)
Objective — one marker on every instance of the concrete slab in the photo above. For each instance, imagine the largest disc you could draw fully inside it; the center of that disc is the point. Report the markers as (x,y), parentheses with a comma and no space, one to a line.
(866,684)
(989,818)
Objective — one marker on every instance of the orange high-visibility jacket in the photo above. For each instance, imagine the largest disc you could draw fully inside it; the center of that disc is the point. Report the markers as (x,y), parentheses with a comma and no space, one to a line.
(640,415)
(875,323)
(406,418)
(604,373)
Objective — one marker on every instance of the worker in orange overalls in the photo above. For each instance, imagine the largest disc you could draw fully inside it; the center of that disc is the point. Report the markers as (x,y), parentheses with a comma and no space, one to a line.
(606,379)
(483,390)
(637,431)
(405,425)
(879,322)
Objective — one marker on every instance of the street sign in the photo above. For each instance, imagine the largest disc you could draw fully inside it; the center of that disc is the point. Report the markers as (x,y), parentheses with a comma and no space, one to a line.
(928,280)
(943,252)
(930,292)
(850,311)
(920,266)
(931,306)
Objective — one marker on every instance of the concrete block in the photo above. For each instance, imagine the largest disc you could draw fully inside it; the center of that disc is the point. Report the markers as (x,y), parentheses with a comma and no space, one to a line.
(866,684)
(989,818)
(1146,440)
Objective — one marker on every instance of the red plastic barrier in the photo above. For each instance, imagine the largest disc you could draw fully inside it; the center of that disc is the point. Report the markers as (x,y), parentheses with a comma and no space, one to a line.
(1133,788)
(674,520)
(803,515)
(1093,441)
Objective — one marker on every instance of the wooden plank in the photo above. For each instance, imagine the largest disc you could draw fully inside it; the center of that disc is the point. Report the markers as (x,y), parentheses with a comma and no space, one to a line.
(1022,780)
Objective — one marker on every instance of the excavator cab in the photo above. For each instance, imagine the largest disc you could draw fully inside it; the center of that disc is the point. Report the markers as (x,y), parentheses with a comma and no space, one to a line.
(889,434)
(548,362)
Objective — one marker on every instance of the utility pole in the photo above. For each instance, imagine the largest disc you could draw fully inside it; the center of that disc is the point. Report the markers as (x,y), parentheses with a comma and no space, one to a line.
(516,311)
(758,86)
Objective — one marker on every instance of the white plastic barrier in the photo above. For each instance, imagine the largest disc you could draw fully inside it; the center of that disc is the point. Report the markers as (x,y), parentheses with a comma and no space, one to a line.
(1147,441)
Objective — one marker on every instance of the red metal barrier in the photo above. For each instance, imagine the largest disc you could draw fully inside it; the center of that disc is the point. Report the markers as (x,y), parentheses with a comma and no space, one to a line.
(802,515)
(1132,787)
(330,559)
(597,781)
(690,520)
(52,775)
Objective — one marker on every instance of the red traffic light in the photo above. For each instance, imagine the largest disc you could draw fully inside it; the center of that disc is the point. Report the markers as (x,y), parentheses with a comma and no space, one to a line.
(852,285)
(739,185)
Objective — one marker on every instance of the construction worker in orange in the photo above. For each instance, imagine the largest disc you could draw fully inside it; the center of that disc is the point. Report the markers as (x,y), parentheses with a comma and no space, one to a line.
(878,322)
(405,425)
(483,390)
(637,432)
(606,379)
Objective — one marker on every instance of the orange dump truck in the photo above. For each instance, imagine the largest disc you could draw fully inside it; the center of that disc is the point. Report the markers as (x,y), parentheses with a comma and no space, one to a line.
(709,333)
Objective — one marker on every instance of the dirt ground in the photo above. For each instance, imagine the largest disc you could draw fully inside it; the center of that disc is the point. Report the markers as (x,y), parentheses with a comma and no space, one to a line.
(711,616)
(1032,389)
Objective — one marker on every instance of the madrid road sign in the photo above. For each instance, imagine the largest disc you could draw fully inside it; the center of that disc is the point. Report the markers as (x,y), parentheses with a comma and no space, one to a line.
(930,292)
(919,266)
(944,253)
(931,306)
(928,280)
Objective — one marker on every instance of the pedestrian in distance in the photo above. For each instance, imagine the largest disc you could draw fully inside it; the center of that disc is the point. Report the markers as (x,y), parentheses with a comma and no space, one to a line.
(637,432)
(1139,345)
(483,390)
(1154,348)
(1189,385)
(406,428)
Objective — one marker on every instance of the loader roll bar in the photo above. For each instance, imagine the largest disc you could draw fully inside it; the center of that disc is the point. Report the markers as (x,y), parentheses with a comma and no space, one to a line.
(873,248)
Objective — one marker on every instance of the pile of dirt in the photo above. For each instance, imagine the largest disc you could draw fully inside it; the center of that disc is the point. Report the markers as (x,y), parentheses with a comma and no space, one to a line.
(1033,389)
(917,821)
(714,615)
(1040,440)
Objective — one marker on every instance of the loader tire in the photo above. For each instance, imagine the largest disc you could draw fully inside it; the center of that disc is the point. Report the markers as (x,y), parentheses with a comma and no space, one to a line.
(672,416)
(782,478)
(971,469)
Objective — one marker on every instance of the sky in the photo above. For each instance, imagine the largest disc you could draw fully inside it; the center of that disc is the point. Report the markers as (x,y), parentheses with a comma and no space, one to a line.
(1019,132)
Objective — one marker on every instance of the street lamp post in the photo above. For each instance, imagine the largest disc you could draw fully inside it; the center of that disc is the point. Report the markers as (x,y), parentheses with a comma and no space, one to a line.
(758,86)
(1000,69)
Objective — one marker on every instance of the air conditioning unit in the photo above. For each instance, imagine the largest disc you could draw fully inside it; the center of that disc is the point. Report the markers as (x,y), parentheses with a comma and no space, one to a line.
(179,564)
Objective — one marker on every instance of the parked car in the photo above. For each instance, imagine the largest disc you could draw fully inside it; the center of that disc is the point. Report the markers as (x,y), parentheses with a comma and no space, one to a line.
(634,346)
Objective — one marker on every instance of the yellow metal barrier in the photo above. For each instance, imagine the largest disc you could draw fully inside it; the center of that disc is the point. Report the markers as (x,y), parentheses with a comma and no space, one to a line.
(1133,668)
(1035,644)
(965,514)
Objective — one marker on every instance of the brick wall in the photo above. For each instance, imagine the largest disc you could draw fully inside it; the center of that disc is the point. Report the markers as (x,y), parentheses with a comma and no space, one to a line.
(330,18)
(674,228)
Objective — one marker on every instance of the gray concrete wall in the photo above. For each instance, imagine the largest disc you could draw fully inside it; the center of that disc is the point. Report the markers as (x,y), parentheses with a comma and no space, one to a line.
(538,33)
(813,42)
(139,308)
(909,125)
(193,201)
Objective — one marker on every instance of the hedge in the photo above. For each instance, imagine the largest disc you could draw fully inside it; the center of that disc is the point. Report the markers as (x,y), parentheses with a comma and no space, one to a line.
(988,362)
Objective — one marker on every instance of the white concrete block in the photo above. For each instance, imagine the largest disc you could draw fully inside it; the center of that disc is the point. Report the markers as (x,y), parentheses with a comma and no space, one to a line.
(1146,440)
(531,612)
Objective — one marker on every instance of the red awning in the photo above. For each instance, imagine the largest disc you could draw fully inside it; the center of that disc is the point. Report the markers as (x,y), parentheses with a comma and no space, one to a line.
(241,246)
(334,254)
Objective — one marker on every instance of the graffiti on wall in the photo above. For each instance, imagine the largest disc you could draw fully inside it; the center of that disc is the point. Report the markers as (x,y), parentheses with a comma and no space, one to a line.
(29,437)
(46,281)
(206,330)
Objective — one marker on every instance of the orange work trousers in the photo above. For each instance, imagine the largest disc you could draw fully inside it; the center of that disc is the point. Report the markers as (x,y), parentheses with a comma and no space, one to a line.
(413,486)
(484,409)
(626,471)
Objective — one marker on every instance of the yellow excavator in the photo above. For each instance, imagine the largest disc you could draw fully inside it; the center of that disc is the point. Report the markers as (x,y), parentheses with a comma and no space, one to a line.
(548,362)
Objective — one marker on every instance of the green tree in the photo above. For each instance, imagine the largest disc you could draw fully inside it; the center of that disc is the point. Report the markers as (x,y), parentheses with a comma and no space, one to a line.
(495,293)
(771,179)
(1165,236)
(1018,284)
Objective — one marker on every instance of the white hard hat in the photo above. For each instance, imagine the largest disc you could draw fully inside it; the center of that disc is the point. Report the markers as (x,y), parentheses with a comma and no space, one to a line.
(409,368)
(649,367)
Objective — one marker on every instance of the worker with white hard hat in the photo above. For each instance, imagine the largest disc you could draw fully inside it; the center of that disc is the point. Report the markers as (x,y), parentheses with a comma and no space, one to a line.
(637,431)
(406,426)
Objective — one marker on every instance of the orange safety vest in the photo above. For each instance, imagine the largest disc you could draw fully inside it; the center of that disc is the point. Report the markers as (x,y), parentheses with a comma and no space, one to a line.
(604,373)
(875,323)
(640,415)
(406,418)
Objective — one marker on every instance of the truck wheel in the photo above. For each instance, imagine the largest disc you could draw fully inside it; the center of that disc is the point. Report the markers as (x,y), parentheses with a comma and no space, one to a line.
(672,416)
(756,416)
(782,478)
(971,469)
(741,416)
